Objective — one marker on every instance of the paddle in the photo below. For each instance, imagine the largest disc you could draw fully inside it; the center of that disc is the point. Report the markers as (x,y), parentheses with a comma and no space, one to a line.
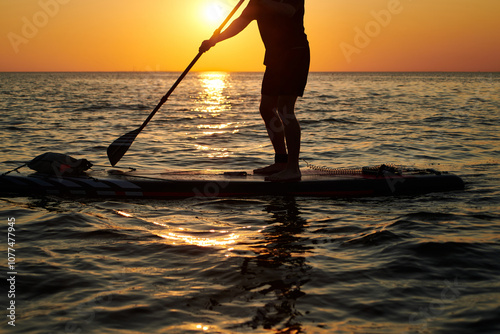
(120,146)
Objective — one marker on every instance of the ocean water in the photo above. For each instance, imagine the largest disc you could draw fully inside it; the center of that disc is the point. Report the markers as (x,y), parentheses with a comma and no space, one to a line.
(413,264)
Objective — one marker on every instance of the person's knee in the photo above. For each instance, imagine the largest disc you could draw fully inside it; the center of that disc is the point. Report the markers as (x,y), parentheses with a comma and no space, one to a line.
(268,111)
(265,109)
(287,115)
(286,106)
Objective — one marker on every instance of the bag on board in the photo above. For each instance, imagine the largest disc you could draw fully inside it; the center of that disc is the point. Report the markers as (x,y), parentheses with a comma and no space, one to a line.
(59,164)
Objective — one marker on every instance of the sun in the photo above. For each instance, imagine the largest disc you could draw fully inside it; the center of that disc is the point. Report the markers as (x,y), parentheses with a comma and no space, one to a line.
(214,12)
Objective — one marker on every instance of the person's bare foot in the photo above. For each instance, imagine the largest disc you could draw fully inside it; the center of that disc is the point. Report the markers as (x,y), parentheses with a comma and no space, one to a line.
(272,169)
(287,175)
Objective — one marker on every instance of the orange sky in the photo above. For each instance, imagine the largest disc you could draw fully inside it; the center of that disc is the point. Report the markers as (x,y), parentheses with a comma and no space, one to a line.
(164,35)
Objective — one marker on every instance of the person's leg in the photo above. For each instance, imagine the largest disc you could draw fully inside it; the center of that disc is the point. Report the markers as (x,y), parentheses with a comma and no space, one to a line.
(283,82)
(275,131)
(292,134)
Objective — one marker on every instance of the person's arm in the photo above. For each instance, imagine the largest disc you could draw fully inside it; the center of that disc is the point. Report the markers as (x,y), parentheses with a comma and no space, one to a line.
(234,29)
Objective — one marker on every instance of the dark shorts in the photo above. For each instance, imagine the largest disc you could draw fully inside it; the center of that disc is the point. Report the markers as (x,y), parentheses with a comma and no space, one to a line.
(289,75)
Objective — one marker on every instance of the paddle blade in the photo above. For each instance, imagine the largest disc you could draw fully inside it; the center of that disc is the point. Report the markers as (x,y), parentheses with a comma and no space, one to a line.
(120,146)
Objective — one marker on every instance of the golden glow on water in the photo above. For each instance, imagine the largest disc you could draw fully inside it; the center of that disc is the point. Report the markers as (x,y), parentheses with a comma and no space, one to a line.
(178,238)
(124,214)
(213,102)
(202,327)
(219,127)
(213,152)
(214,126)
(216,239)
(212,96)
(181,236)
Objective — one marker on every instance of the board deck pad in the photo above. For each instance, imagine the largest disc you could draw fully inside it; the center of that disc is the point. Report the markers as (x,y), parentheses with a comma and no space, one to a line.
(162,184)
(216,175)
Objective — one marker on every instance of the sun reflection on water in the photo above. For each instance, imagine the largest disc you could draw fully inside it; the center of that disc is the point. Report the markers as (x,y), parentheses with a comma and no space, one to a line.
(201,241)
(212,106)
(213,152)
(212,97)
(215,239)
(205,328)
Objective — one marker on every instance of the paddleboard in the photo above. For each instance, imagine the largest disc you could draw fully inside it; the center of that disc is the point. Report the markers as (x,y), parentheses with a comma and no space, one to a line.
(364,182)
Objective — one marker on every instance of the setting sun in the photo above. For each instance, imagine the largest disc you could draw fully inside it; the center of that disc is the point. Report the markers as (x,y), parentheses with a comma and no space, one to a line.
(214,12)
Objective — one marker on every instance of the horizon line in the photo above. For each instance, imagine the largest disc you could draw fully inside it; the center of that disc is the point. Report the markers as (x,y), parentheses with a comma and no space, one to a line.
(215,71)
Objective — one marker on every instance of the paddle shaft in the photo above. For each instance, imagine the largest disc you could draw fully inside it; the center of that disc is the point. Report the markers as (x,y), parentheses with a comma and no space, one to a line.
(186,71)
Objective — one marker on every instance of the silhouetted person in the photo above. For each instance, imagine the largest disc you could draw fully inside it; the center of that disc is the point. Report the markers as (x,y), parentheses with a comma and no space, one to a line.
(281,26)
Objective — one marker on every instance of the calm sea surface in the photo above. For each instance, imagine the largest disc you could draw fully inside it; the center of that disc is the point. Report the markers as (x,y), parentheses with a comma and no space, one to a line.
(418,264)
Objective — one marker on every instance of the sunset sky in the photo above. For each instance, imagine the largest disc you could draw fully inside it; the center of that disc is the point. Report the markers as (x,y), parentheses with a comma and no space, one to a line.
(164,35)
